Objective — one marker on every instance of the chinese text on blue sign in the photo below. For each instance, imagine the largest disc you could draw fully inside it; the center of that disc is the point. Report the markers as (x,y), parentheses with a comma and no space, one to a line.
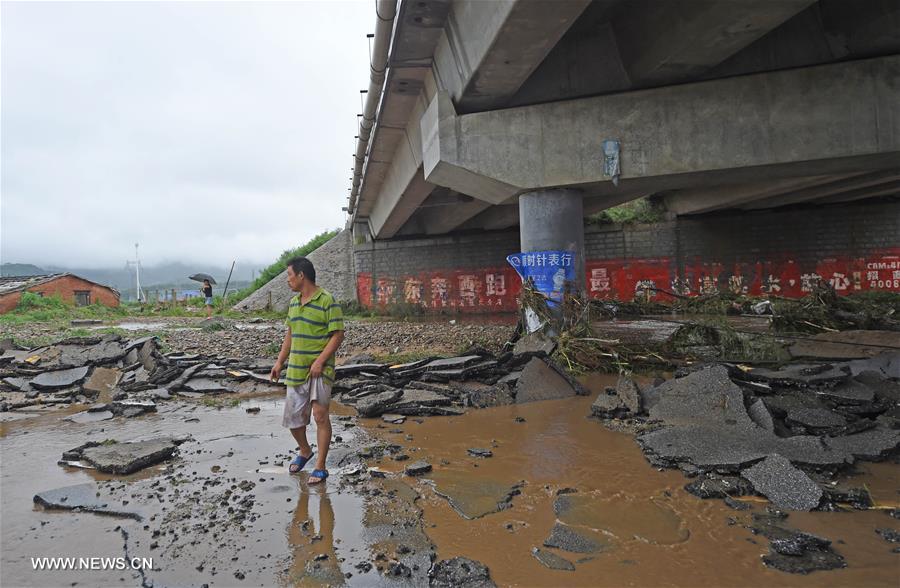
(548,270)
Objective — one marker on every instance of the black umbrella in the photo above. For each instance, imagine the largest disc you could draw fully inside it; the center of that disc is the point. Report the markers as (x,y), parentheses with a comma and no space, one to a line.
(201,277)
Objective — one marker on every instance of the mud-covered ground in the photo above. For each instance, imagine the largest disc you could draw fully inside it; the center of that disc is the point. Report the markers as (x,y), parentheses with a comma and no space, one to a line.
(561,500)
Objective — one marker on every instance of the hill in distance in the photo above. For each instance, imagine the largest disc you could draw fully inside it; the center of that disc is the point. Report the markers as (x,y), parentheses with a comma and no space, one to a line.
(20,269)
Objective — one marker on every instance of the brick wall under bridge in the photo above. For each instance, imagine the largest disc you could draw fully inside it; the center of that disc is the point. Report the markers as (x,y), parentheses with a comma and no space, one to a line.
(854,247)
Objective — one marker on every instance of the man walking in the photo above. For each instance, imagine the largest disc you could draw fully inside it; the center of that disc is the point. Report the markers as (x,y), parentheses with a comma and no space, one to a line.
(315,330)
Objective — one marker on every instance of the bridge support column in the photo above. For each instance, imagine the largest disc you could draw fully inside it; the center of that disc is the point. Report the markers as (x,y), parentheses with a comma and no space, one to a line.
(553,219)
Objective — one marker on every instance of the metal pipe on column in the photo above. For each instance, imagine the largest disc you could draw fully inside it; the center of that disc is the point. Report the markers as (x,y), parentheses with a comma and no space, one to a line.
(386,11)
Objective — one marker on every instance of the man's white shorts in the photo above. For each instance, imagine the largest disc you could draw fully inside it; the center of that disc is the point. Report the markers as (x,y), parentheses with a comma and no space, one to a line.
(297,402)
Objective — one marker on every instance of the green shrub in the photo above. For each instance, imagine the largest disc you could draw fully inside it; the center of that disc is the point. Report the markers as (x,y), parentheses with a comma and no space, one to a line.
(278,266)
(642,210)
(31,301)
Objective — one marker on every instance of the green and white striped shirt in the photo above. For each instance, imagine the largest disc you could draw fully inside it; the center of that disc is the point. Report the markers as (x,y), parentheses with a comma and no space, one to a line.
(312,325)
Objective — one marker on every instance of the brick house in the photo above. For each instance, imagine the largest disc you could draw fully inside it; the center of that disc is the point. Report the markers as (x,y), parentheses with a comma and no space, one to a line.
(69,287)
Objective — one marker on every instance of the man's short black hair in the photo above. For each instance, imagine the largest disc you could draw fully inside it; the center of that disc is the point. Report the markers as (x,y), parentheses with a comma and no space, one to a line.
(304,266)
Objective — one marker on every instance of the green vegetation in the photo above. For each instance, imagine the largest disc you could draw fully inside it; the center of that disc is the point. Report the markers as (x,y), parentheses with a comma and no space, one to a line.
(45,309)
(278,266)
(642,210)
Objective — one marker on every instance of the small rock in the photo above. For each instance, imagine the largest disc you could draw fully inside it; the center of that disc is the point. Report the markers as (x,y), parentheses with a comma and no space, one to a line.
(418,468)
(889,535)
(460,572)
(476,452)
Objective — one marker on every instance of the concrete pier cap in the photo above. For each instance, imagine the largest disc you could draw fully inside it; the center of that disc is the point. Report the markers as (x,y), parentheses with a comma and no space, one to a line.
(553,219)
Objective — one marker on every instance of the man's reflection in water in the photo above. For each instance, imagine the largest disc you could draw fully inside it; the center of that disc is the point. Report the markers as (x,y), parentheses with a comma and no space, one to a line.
(311,538)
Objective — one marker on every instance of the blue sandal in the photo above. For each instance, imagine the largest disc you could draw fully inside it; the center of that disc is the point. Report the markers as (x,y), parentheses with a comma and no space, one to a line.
(320,475)
(300,462)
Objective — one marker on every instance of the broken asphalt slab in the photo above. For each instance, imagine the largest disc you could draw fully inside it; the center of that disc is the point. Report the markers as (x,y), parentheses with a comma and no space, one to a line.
(89,416)
(539,381)
(733,448)
(761,415)
(535,343)
(551,560)
(870,445)
(617,402)
(453,363)
(705,397)
(377,404)
(793,551)
(569,539)
(82,497)
(784,485)
(707,425)
(816,418)
(60,378)
(125,458)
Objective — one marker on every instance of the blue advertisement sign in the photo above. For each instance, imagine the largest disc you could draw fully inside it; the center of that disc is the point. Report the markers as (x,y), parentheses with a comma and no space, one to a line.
(549,270)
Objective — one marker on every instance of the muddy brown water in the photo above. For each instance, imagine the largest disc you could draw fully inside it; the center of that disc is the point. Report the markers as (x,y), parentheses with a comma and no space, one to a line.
(656,533)
(659,534)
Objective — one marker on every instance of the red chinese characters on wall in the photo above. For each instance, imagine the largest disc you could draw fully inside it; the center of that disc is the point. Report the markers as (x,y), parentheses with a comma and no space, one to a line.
(495,289)
(471,290)
(623,279)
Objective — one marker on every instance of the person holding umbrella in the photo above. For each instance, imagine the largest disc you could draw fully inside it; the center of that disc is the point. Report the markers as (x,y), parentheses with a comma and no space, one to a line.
(207,294)
(207,291)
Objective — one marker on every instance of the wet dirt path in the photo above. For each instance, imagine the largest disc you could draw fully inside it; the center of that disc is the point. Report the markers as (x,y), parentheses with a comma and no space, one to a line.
(654,533)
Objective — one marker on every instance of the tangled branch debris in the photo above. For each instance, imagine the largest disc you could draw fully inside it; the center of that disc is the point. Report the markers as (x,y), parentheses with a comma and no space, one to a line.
(821,310)
(581,349)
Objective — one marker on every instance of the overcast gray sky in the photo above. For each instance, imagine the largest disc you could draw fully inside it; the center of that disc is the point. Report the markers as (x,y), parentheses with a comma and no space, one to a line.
(206,131)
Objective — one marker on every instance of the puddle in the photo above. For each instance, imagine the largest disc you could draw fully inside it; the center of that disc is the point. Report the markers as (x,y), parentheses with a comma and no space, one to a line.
(178,499)
(659,534)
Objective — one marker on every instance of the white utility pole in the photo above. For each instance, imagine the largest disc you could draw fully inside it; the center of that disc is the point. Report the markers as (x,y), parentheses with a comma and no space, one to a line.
(137,274)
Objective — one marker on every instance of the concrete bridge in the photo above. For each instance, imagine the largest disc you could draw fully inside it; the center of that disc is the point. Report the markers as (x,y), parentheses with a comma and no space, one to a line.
(485,115)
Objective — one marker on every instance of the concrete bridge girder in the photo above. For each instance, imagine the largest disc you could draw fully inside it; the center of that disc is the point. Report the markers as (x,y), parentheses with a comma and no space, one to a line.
(702,200)
(489,49)
(664,42)
(832,119)
(823,190)
(484,52)
(886,189)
